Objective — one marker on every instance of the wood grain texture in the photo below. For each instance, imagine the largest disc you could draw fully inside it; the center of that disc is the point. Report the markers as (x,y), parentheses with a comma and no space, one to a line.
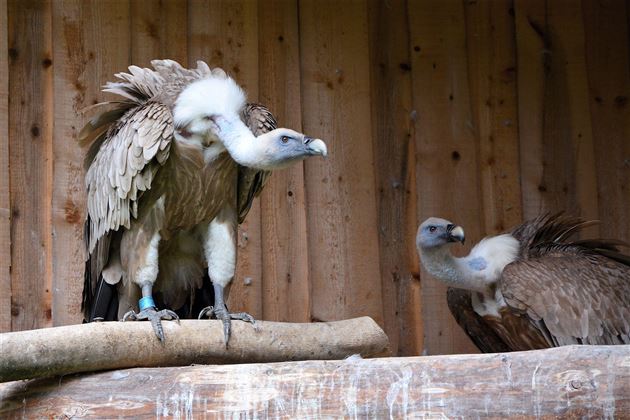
(330,238)
(492,75)
(285,282)
(446,157)
(605,25)
(559,182)
(568,382)
(393,149)
(106,345)
(5,196)
(532,54)
(30,154)
(84,60)
(225,34)
(569,58)
(159,30)
(341,207)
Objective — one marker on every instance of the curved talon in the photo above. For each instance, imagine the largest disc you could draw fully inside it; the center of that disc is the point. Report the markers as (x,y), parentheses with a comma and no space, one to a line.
(209,310)
(131,316)
(227,317)
(155,317)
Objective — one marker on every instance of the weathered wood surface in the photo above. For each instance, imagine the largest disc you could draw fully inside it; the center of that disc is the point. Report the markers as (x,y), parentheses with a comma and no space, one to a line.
(116,345)
(472,82)
(5,205)
(447,180)
(395,174)
(568,382)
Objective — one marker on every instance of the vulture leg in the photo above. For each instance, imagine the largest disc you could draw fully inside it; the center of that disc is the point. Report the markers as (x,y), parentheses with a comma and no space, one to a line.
(140,254)
(219,310)
(220,253)
(148,311)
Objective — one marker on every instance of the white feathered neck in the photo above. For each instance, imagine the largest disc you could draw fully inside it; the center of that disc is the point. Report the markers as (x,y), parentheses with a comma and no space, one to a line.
(477,271)
(214,104)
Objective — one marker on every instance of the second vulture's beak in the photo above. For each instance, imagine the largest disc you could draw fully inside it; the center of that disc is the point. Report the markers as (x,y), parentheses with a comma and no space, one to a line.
(455,233)
(315,146)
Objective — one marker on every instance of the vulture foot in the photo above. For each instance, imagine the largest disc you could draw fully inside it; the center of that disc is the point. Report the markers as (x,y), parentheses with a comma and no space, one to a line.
(154,316)
(222,313)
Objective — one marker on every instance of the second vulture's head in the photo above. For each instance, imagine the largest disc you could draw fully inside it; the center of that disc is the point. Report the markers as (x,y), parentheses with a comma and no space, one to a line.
(435,233)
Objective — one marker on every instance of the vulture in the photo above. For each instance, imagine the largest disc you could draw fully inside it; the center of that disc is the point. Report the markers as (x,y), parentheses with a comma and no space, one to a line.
(172,169)
(534,287)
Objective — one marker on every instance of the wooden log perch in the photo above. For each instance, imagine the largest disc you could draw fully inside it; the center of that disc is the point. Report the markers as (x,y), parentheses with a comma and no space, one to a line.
(567,382)
(116,345)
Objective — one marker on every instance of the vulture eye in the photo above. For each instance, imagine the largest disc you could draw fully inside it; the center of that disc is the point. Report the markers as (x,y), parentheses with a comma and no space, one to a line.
(284,139)
(432,229)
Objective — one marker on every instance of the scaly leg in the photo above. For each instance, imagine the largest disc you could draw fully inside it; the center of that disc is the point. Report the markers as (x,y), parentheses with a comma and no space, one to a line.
(148,311)
(219,310)
(141,254)
(220,253)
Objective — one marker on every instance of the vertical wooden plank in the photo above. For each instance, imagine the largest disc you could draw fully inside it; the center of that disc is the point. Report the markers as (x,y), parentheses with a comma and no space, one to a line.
(492,70)
(340,196)
(532,54)
(159,30)
(394,162)
(565,20)
(30,154)
(605,25)
(5,202)
(225,34)
(91,43)
(285,280)
(560,170)
(446,172)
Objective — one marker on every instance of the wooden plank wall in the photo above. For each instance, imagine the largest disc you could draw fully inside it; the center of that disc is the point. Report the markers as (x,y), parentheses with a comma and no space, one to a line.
(484,112)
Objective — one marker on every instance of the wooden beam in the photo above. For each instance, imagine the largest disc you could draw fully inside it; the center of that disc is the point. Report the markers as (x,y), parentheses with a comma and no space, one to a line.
(285,282)
(567,382)
(394,171)
(447,179)
(5,201)
(116,345)
(31,161)
(341,202)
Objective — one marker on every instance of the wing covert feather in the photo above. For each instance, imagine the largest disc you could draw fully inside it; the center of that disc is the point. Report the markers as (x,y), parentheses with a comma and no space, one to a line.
(580,298)
(125,166)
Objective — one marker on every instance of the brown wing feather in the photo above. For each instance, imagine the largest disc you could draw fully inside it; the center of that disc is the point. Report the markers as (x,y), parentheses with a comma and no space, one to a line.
(251,181)
(580,298)
(475,326)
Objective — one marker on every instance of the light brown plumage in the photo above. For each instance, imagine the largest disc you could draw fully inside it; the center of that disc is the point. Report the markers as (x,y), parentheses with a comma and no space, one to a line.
(153,184)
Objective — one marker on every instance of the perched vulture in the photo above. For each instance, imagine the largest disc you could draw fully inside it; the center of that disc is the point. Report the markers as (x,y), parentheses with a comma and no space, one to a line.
(532,288)
(171,171)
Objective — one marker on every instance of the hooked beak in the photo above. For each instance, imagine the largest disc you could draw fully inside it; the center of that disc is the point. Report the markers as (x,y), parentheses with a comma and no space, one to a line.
(315,146)
(455,233)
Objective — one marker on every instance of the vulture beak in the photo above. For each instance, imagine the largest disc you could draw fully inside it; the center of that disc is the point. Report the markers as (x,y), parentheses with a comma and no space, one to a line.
(315,146)
(455,233)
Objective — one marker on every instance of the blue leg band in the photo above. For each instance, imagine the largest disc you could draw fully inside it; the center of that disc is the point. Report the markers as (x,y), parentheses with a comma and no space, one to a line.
(146,302)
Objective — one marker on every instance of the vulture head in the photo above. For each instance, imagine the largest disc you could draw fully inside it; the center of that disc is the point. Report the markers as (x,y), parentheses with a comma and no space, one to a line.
(436,233)
(283,146)
(478,270)
(210,109)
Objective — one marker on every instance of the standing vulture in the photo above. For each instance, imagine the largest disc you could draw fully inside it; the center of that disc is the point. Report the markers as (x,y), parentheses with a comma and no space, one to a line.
(172,169)
(532,288)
